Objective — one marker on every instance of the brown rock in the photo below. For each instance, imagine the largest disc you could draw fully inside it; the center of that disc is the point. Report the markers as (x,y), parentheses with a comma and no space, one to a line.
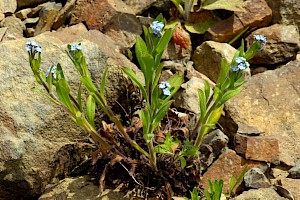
(47,17)
(139,6)
(22,14)
(15,27)
(262,194)
(292,185)
(257,148)
(270,102)
(228,164)
(282,44)
(258,14)
(29,3)
(113,17)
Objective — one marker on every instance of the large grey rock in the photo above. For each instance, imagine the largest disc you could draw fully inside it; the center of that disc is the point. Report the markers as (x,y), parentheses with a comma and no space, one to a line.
(8,6)
(285,11)
(262,193)
(255,178)
(282,44)
(208,57)
(294,172)
(32,128)
(270,102)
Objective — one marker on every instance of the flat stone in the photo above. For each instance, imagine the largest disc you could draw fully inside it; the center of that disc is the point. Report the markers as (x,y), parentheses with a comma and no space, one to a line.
(31,21)
(258,14)
(47,17)
(270,102)
(112,17)
(282,44)
(22,14)
(255,178)
(8,6)
(262,193)
(228,164)
(257,148)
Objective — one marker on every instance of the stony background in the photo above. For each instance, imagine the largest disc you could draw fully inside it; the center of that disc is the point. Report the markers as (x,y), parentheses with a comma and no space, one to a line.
(260,126)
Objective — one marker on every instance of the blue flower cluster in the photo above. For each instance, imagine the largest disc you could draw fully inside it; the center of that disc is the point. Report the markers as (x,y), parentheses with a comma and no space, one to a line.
(241,64)
(74,48)
(157,28)
(33,46)
(261,39)
(51,70)
(164,86)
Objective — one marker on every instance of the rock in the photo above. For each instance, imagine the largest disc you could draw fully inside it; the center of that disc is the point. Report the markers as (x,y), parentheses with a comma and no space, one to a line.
(63,14)
(15,26)
(262,193)
(187,96)
(47,17)
(208,57)
(277,172)
(31,21)
(212,145)
(255,178)
(245,129)
(2,32)
(282,44)
(294,172)
(257,148)
(292,185)
(217,140)
(29,3)
(138,6)
(257,14)
(2,16)
(79,188)
(22,14)
(270,102)
(163,5)
(228,164)
(113,17)
(285,12)
(8,6)
(29,32)
(32,128)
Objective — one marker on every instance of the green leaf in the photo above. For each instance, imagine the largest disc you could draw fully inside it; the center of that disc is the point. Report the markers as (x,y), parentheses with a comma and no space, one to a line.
(206,89)
(199,27)
(103,81)
(90,109)
(79,96)
(229,94)
(148,137)
(46,94)
(161,112)
(223,72)
(182,162)
(164,40)
(136,81)
(140,51)
(175,81)
(253,49)
(189,149)
(202,100)
(238,35)
(232,5)
(63,95)
(148,62)
(145,117)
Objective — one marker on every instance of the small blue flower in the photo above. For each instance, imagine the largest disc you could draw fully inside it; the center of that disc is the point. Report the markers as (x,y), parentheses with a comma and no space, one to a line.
(157,28)
(164,85)
(52,71)
(261,39)
(241,64)
(166,92)
(74,48)
(33,46)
